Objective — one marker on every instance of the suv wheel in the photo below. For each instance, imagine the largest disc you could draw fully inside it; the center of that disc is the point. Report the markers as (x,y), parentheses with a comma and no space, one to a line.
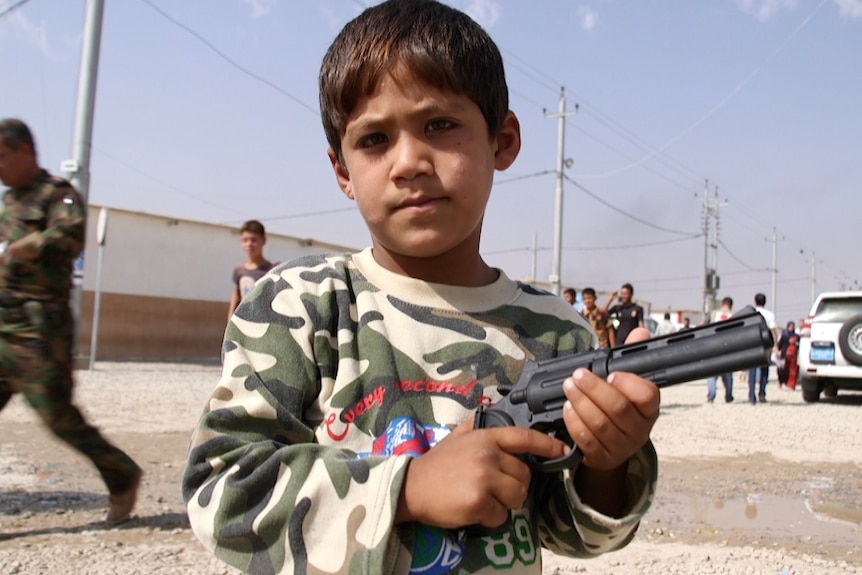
(811,389)
(850,340)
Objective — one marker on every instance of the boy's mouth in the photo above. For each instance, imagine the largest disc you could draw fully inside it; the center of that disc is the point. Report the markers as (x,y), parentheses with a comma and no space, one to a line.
(418,202)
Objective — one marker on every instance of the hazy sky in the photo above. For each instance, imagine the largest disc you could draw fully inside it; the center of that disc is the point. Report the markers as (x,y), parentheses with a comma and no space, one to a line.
(207,110)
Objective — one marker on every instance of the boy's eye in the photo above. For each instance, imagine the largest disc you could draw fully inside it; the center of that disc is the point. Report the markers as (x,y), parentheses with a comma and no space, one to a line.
(371,140)
(440,124)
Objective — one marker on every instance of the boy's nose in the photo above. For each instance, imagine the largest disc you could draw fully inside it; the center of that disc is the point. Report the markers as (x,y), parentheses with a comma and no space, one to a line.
(410,157)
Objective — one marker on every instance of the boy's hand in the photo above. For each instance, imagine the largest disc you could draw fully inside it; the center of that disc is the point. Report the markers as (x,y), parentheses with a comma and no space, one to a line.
(473,476)
(610,423)
(609,420)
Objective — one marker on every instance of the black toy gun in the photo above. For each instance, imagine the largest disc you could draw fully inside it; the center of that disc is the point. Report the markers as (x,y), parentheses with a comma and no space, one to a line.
(536,401)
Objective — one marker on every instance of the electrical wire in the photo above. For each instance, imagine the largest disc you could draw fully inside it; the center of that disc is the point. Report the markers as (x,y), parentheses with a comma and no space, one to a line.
(628,215)
(296,216)
(524,177)
(12,7)
(627,247)
(230,61)
(739,261)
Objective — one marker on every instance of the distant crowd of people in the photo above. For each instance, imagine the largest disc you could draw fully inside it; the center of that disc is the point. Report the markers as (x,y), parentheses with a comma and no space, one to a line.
(614,321)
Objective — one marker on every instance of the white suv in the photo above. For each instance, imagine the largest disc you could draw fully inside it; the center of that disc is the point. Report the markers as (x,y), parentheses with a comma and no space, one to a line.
(830,345)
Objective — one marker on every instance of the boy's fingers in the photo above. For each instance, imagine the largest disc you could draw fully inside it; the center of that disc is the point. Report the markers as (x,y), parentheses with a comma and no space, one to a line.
(638,334)
(518,440)
(464,426)
(621,391)
(643,394)
(511,492)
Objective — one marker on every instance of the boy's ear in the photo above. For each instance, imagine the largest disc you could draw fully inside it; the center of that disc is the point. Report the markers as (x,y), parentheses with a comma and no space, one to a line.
(508,142)
(341,174)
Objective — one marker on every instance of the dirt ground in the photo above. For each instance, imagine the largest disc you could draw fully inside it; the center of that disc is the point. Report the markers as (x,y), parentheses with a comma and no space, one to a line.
(52,502)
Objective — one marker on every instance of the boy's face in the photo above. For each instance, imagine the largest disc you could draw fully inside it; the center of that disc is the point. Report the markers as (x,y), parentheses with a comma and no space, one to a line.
(589,300)
(252,244)
(625,295)
(419,163)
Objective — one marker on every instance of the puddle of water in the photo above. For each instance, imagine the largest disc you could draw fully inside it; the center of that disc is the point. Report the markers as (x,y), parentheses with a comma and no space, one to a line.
(778,515)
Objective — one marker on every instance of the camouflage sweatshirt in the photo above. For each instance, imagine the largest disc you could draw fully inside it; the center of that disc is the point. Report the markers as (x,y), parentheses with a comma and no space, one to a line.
(336,372)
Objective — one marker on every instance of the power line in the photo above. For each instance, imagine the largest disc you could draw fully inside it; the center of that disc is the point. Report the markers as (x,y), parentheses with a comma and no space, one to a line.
(739,261)
(524,177)
(8,9)
(167,186)
(302,215)
(631,246)
(628,215)
(227,59)
(592,248)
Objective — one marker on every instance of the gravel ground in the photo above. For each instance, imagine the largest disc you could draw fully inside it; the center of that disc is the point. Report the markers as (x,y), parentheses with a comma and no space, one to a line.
(755,489)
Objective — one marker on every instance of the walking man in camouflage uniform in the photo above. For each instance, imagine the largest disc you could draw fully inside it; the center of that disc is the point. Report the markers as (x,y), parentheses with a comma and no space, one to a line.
(41,234)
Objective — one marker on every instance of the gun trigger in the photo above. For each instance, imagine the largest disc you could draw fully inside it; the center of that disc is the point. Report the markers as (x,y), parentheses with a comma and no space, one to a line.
(479,417)
(570,461)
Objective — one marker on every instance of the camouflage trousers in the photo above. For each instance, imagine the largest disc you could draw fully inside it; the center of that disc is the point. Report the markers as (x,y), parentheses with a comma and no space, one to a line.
(38,364)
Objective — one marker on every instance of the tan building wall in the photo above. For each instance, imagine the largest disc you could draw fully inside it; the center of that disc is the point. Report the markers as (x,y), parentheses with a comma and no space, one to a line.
(164,284)
(146,328)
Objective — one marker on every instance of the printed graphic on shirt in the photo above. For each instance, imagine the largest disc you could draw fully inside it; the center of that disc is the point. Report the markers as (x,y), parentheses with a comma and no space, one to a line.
(245,285)
(436,550)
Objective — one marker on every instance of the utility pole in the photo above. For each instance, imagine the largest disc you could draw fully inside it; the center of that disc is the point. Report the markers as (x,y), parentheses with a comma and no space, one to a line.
(533,252)
(78,168)
(774,304)
(558,196)
(710,274)
(813,276)
(842,280)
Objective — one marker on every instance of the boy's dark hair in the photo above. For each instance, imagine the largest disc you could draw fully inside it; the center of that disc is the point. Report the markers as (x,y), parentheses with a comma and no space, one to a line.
(728,301)
(253,227)
(570,291)
(588,291)
(760,299)
(438,44)
(630,287)
(667,315)
(14,132)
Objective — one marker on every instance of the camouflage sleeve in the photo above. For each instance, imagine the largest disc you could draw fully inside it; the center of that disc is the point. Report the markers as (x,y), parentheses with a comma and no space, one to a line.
(570,528)
(260,491)
(64,222)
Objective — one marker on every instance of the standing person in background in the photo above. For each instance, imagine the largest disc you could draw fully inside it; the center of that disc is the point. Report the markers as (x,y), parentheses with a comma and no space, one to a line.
(599,319)
(788,337)
(721,314)
(252,238)
(42,232)
(571,296)
(790,358)
(761,374)
(666,326)
(686,324)
(627,314)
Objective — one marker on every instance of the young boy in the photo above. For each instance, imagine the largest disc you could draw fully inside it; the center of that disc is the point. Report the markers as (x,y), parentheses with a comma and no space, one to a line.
(252,238)
(599,319)
(340,438)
